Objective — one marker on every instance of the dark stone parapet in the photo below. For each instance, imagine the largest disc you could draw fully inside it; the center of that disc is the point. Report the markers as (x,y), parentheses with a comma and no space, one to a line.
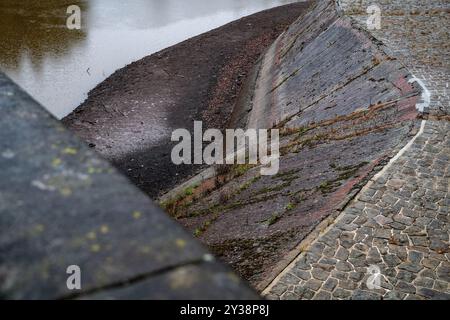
(62,205)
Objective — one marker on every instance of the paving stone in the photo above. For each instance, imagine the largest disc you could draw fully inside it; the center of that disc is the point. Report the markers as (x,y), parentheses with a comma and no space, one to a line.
(394,295)
(399,251)
(361,247)
(342,254)
(359,262)
(316,249)
(389,199)
(349,227)
(290,279)
(428,273)
(356,276)
(302,274)
(433,294)
(322,295)
(360,220)
(400,239)
(304,292)
(382,220)
(330,284)
(438,245)
(391,260)
(289,296)
(405,287)
(373,257)
(415,231)
(422,221)
(339,275)
(409,213)
(312,257)
(443,273)
(341,293)
(419,241)
(415,257)
(356,254)
(395,183)
(330,237)
(397,226)
(347,284)
(424,282)
(384,283)
(278,289)
(441,286)
(313,284)
(329,252)
(430,263)
(408,266)
(382,245)
(406,276)
(344,266)
(327,261)
(347,239)
(413,297)
(383,233)
(302,264)
(434,255)
(389,272)
(365,295)
(272,297)
(320,274)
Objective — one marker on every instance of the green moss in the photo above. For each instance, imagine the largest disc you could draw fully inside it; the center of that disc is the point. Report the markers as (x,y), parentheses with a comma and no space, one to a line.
(273,189)
(302,130)
(286,174)
(241,169)
(247,184)
(200,230)
(327,186)
(345,173)
(189,191)
(290,206)
(273,219)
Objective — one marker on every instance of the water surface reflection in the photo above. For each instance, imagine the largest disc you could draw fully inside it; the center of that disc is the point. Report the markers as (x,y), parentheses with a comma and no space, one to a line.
(59,66)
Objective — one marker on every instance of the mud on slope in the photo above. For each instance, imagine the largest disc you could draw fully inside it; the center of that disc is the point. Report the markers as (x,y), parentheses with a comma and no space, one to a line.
(344,108)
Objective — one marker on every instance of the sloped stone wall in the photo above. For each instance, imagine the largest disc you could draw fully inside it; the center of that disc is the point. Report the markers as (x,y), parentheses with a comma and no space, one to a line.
(344,107)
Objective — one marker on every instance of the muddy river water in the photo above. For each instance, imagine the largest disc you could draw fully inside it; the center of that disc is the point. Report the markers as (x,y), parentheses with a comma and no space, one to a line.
(59,66)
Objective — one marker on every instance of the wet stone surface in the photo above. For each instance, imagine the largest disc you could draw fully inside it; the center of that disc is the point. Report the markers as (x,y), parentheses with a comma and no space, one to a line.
(400,220)
(253,221)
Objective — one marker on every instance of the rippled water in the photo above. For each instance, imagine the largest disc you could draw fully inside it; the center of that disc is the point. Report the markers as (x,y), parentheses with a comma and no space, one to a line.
(59,66)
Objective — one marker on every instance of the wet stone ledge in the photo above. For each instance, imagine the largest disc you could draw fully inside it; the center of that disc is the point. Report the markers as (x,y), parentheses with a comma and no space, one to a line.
(62,205)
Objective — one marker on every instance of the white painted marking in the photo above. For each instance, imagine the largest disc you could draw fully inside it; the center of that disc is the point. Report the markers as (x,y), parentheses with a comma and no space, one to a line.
(426,95)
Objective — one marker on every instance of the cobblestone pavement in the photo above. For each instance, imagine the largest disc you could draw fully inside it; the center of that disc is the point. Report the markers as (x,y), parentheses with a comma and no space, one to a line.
(400,221)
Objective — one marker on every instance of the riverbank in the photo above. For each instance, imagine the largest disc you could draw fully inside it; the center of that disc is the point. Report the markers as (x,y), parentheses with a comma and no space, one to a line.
(130,116)
(344,108)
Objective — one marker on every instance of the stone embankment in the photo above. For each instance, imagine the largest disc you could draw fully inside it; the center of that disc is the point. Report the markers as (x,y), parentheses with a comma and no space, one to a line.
(364,167)
(399,222)
(344,106)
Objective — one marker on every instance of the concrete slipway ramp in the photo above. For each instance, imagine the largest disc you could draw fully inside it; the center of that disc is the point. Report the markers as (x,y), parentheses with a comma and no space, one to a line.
(344,107)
